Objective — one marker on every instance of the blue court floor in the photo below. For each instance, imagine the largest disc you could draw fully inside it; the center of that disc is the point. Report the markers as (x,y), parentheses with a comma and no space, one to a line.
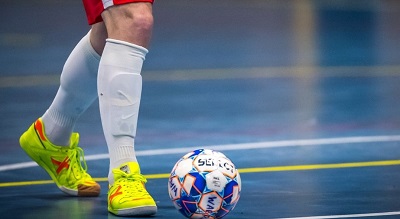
(303,96)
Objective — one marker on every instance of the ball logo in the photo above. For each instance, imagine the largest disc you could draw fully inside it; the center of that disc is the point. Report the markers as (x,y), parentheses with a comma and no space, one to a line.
(174,188)
(210,163)
(216,181)
(210,202)
(227,167)
(205,163)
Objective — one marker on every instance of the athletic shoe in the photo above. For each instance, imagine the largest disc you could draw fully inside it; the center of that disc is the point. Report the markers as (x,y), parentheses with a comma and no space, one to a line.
(128,195)
(63,164)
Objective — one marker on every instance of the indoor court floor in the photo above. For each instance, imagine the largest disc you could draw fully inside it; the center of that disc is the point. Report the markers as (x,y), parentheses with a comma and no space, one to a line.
(303,96)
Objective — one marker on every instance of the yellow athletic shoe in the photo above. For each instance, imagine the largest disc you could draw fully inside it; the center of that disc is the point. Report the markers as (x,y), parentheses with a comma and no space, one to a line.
(63,164)
(128,195)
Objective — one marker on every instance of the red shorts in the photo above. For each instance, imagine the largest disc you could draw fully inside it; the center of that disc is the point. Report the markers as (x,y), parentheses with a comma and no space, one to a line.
(94,8)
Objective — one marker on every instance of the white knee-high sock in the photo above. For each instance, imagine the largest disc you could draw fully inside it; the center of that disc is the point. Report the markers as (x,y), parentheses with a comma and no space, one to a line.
(119,89)
(77,91)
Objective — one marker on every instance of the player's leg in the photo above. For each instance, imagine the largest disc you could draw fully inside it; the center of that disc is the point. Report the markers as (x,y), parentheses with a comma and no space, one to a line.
(132,23)
(129,29)
(50,141)
(76,93)
(98,36)
(119,79)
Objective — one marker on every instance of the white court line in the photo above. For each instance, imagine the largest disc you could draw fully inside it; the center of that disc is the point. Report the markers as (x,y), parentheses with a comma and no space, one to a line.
(231,147)
(347,215)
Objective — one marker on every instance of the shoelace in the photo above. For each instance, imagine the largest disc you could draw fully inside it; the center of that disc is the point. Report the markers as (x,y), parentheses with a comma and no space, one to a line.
(133,182)
(76,155)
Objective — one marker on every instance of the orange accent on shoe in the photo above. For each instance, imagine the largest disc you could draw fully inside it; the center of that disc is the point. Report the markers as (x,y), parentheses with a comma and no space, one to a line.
(117,192)
(39,129)
(61,165)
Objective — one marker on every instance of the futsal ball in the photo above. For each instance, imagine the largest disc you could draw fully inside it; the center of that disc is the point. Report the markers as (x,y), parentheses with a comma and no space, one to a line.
(204,184)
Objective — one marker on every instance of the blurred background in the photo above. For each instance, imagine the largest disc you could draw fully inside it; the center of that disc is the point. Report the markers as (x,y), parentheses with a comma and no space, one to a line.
(223,72)
(37,35)
(301,67)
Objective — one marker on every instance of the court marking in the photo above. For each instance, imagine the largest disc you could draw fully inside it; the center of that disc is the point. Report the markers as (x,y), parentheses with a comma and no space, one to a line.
(232,147)
(225,73)
(247,146)
(347,215)
(241,171)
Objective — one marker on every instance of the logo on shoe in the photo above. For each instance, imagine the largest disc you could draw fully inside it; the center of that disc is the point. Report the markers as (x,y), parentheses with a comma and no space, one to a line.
(61,164)
(116,193)
(39,129)
(125,169)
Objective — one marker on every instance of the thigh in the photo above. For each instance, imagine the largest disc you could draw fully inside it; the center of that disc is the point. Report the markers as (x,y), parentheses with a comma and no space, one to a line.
(94,8)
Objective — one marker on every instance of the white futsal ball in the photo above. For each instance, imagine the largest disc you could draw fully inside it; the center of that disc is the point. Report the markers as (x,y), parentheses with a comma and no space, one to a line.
(204,184)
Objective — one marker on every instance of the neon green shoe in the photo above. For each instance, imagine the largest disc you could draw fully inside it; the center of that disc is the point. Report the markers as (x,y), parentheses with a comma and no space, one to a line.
(63,164)
(128,195)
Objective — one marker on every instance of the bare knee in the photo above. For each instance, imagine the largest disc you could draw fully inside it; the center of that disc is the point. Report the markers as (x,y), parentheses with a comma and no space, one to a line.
(130,22)
(141,21)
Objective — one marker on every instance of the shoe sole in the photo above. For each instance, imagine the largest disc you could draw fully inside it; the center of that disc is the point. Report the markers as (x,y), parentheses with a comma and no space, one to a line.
(135,212)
